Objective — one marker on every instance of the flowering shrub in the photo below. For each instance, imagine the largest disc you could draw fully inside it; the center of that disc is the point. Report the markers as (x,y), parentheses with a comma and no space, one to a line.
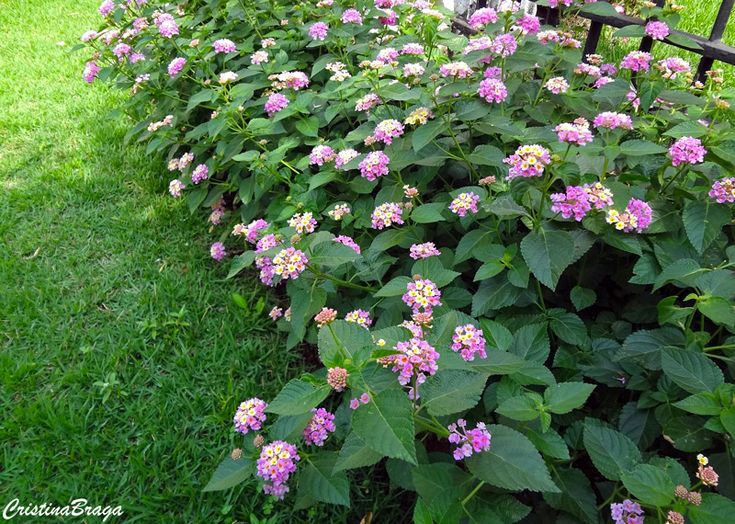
(479,232)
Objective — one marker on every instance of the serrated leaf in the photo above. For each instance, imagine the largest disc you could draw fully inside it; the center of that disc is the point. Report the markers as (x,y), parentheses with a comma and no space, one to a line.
(341,339)
(428,213)
(649,484)
(704,403)
(566,396)
(505,207)
(424,134)
(548,253)
(395,287)
(532,343)
(683,271)
(230,473)
(385,424)
(568,327)
(611,452)
(641,148)
(576,495)
(714,509)
(452,391)
(690,370)
(298,397)
(355,454)
(582,298)
(703,222)
(521,408)
(319,481)
(512,462)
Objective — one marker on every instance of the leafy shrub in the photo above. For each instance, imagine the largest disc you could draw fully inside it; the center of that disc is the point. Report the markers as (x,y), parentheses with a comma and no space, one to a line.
(558,233)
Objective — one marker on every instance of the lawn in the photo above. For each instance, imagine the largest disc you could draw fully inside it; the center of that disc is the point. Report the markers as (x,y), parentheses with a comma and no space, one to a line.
(122,354)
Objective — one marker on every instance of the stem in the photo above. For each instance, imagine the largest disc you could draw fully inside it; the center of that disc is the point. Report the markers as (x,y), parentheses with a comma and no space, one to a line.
(677,175)
(473,493)
(343,283)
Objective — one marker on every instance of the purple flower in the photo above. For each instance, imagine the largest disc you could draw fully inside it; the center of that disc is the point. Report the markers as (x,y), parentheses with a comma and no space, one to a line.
(574,202)
(276,464)
(374,165)
(422,295)
(468,441)
(367,102)
(360,317)
(627,512)
(224,45)
(415,359)
(482,17)
(91,70)
(250,416)
(528,161)
(106,7)
(425,250)
(723,190)
(175,187)
(387,130)
(469,341)
(275,103)
(385,215)
(657,30)
(636,217)
(505,45)
(319,427)
(464,203)
(493,90)
(687,150)
(167,26)
(412,48)
(529,24)
(201,172)
(612,120)
(318,31)
(352,16)
(176,65)
(289,263)
(121,50)
(321,155)
(217,251)
(637,61)
(574,133)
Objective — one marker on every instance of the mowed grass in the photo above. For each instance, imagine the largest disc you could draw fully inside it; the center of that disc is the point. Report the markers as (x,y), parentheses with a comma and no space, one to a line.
(122,354)
(697,18)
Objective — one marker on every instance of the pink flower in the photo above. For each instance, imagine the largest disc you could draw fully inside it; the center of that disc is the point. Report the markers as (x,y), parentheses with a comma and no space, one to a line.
(469,341)
(121,50)
(385,215)
(354,404)
(360,317)
(259,57)
(425,250)
(325,316)
(505,45)
(529,24)
(268,241)
(250,415)
(321,155)
(303,222)
(344,157)
(612,120)
(290,79)
(464,203)
(557,85)
(250,232)
(176,65)
(91,70)
(201,172)
(367,102)
(276,313)
(482,17)
(637,61)
(364,398)
(422,294)
(574,133)
(167,26)
(352,16)
(456,70)
(387,130)
(319,427)
(723,190)
(374,165)
(276,464)
(468,441)
(657,30)
(276,102)
(224,45)
(318,31)
(598,195)
(493,90)
(412,49)
(347,241)
(687,150)
(627,512)
(528,161)
(289,263)
(218,251)
(175,187)
(415,359)
(636,217)
(337,378)
(106,7)
(387,56)
(572,203)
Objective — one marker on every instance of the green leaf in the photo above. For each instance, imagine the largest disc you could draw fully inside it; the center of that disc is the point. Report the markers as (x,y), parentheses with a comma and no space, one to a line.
(512,462)
(687,128)
(600,9)
(468,243)
(318,481)
(395,287)
(424,134)
(566,396)
(428,213)
(718,309)
(714,509)
(355,454)
(690,370)
(499,363)
(521,408)
(549,443)
(582,298)
(649,484)
(704,403)
(289,428)
(342,339)
(494,293)
(298,397)
(385,424)
(568,327)
(505,207)
(611,452)
(332,254)
(434,270)
(703,222)
(630,31)
(206,95)
(441,486)
(683,40)
(230,473)
(727,418)
(683,271)
(576,495)
(240,262)
(487,155)
(308,126)
(548,253)
(452,391)
(641,148)
(531,342)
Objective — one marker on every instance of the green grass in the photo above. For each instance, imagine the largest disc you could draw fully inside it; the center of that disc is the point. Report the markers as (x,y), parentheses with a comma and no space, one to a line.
(122,355)
(697,18)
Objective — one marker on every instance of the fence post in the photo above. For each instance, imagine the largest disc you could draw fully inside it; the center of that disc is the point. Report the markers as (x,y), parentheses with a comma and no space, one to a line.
(718,29)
